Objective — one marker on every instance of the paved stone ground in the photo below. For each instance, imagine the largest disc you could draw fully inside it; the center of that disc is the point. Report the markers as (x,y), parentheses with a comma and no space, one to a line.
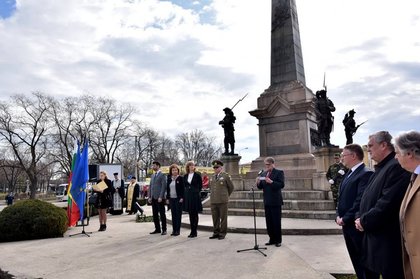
(127,250)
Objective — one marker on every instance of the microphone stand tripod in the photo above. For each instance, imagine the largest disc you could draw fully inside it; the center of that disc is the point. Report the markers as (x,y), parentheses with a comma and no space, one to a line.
(83,232)
(256,247)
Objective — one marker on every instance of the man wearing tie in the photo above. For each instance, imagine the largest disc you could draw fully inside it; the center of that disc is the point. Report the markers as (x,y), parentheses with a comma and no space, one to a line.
(271,181)
(350,194)
(156,198)
(408,155)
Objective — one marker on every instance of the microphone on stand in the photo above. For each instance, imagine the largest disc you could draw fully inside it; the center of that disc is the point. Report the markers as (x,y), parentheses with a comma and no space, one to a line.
(255,185)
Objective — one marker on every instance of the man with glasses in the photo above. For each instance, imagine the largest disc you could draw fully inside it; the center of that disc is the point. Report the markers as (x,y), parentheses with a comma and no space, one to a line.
(378,216)
(271,181)
(221,187)
(351,190)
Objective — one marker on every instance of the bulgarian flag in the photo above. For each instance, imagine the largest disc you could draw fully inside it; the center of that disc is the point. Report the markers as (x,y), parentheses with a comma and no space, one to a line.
(73,213)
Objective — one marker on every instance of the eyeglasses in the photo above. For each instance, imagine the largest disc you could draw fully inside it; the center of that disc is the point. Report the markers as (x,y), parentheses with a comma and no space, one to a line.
(216,167)
(344,155)
(268,164)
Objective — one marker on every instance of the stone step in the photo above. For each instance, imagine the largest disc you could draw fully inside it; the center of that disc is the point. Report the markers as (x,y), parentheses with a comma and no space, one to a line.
(287,195)
(300,214)
(288,204)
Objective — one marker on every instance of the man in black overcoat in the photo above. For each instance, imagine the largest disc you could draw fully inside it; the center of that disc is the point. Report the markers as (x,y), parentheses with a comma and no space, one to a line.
(271,181)
(378,216)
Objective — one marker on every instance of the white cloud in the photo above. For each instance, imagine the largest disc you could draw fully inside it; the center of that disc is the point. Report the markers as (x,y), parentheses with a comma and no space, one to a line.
(175,64)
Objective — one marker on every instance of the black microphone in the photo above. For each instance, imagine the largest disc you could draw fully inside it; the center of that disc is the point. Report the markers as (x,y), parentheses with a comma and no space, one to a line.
(259,173)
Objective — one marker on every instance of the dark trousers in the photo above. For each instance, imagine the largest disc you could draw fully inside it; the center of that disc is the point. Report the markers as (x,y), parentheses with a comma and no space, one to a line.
(176,211)
(353,239)
(273,222)
(158,208)
(194,222)
(374,275)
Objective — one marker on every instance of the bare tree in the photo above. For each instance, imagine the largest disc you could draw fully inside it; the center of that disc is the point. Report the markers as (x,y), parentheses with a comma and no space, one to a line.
(198,147)
(11,171)
(24,124)
(109,130)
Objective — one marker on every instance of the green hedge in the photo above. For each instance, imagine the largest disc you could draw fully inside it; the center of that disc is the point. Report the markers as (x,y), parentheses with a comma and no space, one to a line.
(32,219)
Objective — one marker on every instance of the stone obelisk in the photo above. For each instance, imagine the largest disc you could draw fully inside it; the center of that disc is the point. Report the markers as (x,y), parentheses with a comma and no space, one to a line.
(286,109)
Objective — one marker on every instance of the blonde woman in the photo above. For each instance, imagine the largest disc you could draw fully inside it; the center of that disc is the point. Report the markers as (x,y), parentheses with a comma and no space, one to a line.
(104,200)
(133,193)
(192,202)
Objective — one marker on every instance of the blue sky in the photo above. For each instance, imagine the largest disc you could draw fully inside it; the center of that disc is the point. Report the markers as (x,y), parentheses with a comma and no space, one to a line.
(7,7)
(202,56)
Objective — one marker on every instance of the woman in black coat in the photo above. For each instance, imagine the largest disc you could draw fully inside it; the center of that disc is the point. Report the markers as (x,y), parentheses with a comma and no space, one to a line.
(104,200)
(175,196)
(192,201)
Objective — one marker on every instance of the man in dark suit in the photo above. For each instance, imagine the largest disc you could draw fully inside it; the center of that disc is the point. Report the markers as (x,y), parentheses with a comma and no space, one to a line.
(378,216)
(157,198)
(271,181)
(350,194)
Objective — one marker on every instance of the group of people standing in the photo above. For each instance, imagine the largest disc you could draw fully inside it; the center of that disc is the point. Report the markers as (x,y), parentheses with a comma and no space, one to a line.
(183,193)
(379,211)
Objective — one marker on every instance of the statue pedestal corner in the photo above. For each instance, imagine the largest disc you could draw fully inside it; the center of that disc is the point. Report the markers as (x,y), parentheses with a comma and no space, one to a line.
(231,166)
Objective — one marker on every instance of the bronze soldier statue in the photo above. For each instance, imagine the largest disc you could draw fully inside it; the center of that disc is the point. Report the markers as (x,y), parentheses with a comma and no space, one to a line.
(227,124)
(325,120)
(350,127)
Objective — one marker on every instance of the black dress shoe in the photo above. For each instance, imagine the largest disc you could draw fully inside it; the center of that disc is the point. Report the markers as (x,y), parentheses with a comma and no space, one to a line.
(176,234)
(101,228)
(163,233)
(221,237)
(214,236)
(278,244)
(155,232)
(269,243)
(173,233)
(192,235)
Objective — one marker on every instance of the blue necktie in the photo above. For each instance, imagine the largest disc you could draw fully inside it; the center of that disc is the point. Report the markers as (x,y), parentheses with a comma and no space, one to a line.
(346,178)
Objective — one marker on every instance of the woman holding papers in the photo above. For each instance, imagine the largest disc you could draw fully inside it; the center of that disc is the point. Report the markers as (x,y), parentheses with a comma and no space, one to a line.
(104,190)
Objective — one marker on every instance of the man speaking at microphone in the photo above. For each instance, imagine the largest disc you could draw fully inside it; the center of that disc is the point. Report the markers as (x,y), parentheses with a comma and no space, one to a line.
(271,181)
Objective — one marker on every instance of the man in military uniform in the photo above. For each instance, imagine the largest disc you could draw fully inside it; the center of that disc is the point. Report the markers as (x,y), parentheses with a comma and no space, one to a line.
(335,175)
(220,189)
(227,125)
(325,120)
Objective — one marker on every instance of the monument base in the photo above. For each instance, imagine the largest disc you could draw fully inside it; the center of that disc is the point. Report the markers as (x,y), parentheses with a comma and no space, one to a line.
(231,166)
(298,170)
(324,158)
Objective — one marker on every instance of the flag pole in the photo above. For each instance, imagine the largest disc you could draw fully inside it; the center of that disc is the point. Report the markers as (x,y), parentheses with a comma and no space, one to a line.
(86,201)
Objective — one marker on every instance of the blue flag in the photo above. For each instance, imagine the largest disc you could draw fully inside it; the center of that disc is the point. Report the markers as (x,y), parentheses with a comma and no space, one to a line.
(80,178)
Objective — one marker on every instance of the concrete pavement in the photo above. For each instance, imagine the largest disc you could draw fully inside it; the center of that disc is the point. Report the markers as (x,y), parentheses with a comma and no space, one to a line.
(127,250)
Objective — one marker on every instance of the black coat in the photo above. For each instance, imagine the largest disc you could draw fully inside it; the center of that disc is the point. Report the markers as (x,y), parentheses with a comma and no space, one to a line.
(350,194)
(379,216)
(192,200)
(272,192)
(179,185)
(104,199)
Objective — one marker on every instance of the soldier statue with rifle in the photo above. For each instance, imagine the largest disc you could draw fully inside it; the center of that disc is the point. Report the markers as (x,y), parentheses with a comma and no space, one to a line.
(350,127)
(227,125)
